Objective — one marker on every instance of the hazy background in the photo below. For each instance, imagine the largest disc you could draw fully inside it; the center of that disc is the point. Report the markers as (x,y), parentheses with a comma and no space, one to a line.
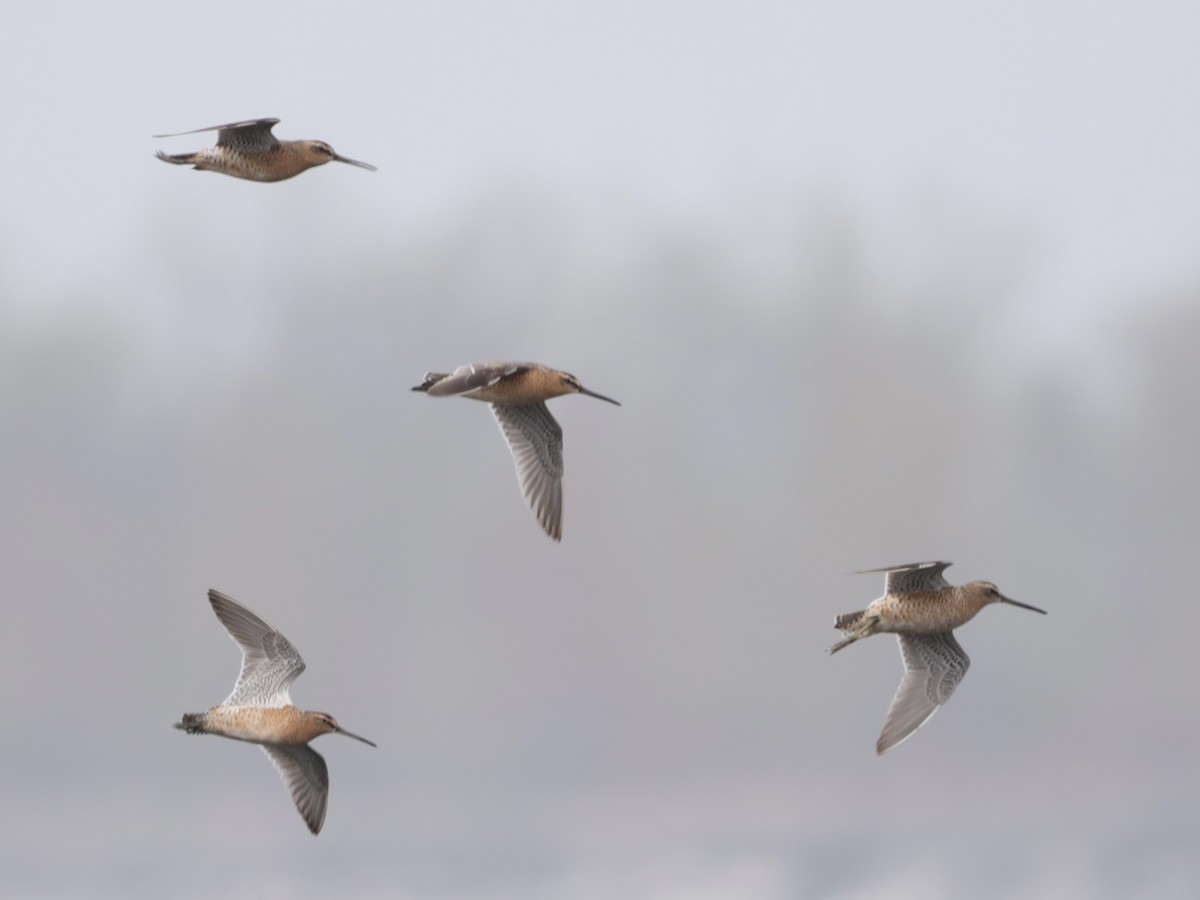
(875,283)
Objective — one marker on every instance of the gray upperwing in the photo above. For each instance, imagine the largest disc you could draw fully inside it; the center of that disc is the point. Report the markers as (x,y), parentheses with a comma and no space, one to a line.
(252,134)
(307,779)
(252,137)
(934,664)
(535,439)
(924,576)
(468,379)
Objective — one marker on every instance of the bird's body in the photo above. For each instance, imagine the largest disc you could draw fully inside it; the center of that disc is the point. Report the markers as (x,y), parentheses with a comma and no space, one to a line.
(922,609)
(260,710)
(255,724)
(517,392)
(249,150)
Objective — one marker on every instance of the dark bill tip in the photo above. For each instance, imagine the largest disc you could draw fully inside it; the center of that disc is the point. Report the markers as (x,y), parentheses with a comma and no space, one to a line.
(355,162)
(1024,605)
(584,390)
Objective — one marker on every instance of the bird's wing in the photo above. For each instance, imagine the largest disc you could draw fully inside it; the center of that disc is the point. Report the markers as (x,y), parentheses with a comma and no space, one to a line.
(269,661)
(469,379)
(934,664)
(252,134)
(535,440)
(307,778)
(924,576)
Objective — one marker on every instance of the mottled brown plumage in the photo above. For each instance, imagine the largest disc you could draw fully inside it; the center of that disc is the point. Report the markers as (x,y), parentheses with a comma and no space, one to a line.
(517,392)
(249,150)
(261,712)
(922,609)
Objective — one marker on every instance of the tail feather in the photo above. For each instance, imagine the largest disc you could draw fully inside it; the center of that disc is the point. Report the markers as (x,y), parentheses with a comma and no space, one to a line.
(846,621)
(178,159)
(192,723)
(431,378)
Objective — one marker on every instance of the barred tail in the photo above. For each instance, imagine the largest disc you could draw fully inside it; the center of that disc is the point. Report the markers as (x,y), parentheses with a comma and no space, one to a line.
(178,159)
(192,723)
(846,621)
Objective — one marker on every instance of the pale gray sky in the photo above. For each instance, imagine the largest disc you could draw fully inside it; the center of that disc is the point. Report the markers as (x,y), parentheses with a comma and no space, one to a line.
(873,284)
